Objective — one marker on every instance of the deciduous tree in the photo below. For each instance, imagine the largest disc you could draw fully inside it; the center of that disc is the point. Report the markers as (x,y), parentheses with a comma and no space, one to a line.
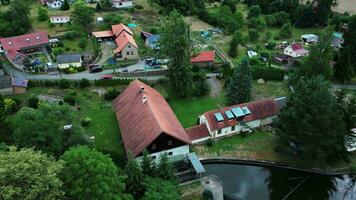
(160,189)
(65,5)
(83,15)
(42,14)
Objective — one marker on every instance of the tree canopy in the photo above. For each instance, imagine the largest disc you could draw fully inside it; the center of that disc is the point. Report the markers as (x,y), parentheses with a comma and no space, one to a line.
(26,174)
(89,174)
(83,15)
(175,44)
(160,189)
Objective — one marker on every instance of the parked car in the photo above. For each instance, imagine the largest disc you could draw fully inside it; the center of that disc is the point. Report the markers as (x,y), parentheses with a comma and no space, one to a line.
(54,40)
(96,70)
(106,77)
(125,71)
(91,66)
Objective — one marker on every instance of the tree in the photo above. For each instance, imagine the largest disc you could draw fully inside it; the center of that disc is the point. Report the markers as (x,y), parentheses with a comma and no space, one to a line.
(233,48)
(106,3)
(83,15)
(65,5)
(343,67)
(148,165)
(83,42)
(160,189)
(57,51)
(26,174)
(286,31)
(89,174)
(43,128)
(318,61)
(134,181)
(33,102)
(165,168)
(5,131)
(322,10)
(347,107)
(311,123)
(175,45)
(98,6)
(239,87)
(254,11)
(350,40)
(208,195)
(42,14)
(253,35)
(231,4)
(151,3)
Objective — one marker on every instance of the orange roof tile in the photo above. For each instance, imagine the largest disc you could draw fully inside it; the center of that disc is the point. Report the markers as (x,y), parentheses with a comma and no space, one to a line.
(119,28)
(122,40)
(100,34)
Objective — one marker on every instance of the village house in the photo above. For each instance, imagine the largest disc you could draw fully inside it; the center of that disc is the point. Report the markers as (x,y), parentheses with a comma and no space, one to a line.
(309,38)
(59,19)
(126,47)
(55,4)
(235,119)
(147,122)
(204,59)
(10,85)
(69,60)
(16,48)
(296,50)
(152,42)
(122,3)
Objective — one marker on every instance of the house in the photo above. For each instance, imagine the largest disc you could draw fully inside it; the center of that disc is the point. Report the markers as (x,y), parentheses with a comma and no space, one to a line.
(235,119)
(204,59)
(122,3)
(296,50)
(152,42)
(147,122)
(16,48)
(281,58)
(55,4)
(126,47)
(251,53)
(309,38)
(10,85)
(59,19)
(69,60)
(337,40)
(145,35)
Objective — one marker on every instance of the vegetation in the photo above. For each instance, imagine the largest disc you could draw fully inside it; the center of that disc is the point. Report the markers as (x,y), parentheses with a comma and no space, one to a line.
(15,21)
(160,189)
(42,14)
(83,16)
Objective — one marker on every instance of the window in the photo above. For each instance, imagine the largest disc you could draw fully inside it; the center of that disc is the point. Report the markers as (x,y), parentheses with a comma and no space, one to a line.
(129,46)
(219,131)
(232,128)
(153,146)
(132,53)
(120,4)
(127,53)
(169,142)
(170,153)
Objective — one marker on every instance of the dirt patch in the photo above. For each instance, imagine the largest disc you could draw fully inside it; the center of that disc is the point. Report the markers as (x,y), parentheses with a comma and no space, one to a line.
(346,6)
(197,24)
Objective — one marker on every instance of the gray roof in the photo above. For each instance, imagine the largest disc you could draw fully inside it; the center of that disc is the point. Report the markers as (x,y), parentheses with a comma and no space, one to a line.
(68,58)
(5,82)
(281,102)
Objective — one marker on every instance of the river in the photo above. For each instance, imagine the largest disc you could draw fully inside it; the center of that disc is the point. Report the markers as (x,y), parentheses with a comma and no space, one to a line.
(246,182)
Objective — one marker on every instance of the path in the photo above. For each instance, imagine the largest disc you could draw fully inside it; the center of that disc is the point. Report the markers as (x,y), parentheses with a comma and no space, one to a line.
(215,87)
(107,52)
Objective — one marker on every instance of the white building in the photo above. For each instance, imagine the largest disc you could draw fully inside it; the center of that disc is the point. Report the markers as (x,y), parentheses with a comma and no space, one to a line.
(55,4)
(309,38)
(296,50)
(122,3)
(59,19)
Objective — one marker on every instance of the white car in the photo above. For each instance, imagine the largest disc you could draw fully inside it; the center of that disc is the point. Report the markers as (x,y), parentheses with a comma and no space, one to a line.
(54,40)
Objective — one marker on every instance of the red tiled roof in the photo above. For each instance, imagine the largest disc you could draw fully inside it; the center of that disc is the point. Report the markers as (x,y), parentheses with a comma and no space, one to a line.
(197,132)
(118,28)
(260,109)
(296,46)
(122,40)
(204,56)
(142,122)
(23,41)
(100,34)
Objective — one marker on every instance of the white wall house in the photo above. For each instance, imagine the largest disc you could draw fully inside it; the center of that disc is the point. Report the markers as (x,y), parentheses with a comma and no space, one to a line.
(59,19)
(296,50)
(55,4)
(182,150)
(122,3)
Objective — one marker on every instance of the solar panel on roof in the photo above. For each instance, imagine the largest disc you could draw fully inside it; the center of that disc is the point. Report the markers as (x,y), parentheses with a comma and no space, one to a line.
(219,117)
(238,112)
(229,114)
(246,110)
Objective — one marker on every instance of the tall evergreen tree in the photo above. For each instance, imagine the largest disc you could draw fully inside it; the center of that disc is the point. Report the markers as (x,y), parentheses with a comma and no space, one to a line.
(175,44)
(148,165)
(239,87)
(233,48)
(5,131)
(350,40)
(311,122)
(134,181)
(343,67)
(83,15)
(65,5)
(165,168)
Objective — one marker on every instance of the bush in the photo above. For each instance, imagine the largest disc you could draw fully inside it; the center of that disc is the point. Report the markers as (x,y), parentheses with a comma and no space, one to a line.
(69,99)
(71,35)
(267,73)
(83,83)
(83,42)
(112,82)
(111,93)
(253,35)
(208,195)
(67,48)
(210,142)
(33,102)
(86,122)
(64,84)
(139,7)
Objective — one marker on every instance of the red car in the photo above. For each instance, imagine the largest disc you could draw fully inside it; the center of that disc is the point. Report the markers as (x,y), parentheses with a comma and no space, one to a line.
(106,77)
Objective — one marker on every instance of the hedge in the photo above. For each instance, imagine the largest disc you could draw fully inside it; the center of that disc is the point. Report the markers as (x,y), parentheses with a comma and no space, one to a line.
(267,73)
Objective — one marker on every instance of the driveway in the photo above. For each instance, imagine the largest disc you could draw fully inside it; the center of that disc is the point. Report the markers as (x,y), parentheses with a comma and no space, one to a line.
(107,50)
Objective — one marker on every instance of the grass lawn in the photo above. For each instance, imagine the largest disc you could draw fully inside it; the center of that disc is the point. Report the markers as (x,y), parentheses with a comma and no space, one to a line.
(74,45)
(268,89)
(103,125)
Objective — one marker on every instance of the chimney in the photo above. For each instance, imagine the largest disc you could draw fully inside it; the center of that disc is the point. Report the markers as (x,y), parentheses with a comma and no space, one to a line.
(142,89)
(38,38)
(144,99)
(28,39)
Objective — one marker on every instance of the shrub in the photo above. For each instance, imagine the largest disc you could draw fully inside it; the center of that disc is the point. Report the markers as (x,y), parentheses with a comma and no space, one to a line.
(139,7)
(69,99)
(83,83)
(51,25)
(11,106)
(210,142)
(33,102)
(267,73)
(111,93)
(253,35)
(83,42)
(208,195)
(64,84)
(86,122)
(67,48)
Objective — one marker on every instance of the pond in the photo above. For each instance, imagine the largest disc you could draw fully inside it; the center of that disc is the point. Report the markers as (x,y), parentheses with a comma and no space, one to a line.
(246,182)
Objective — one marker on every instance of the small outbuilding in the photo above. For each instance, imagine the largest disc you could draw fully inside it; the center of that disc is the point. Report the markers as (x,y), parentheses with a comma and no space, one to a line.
(59,19)
(204,59)
(309,38)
